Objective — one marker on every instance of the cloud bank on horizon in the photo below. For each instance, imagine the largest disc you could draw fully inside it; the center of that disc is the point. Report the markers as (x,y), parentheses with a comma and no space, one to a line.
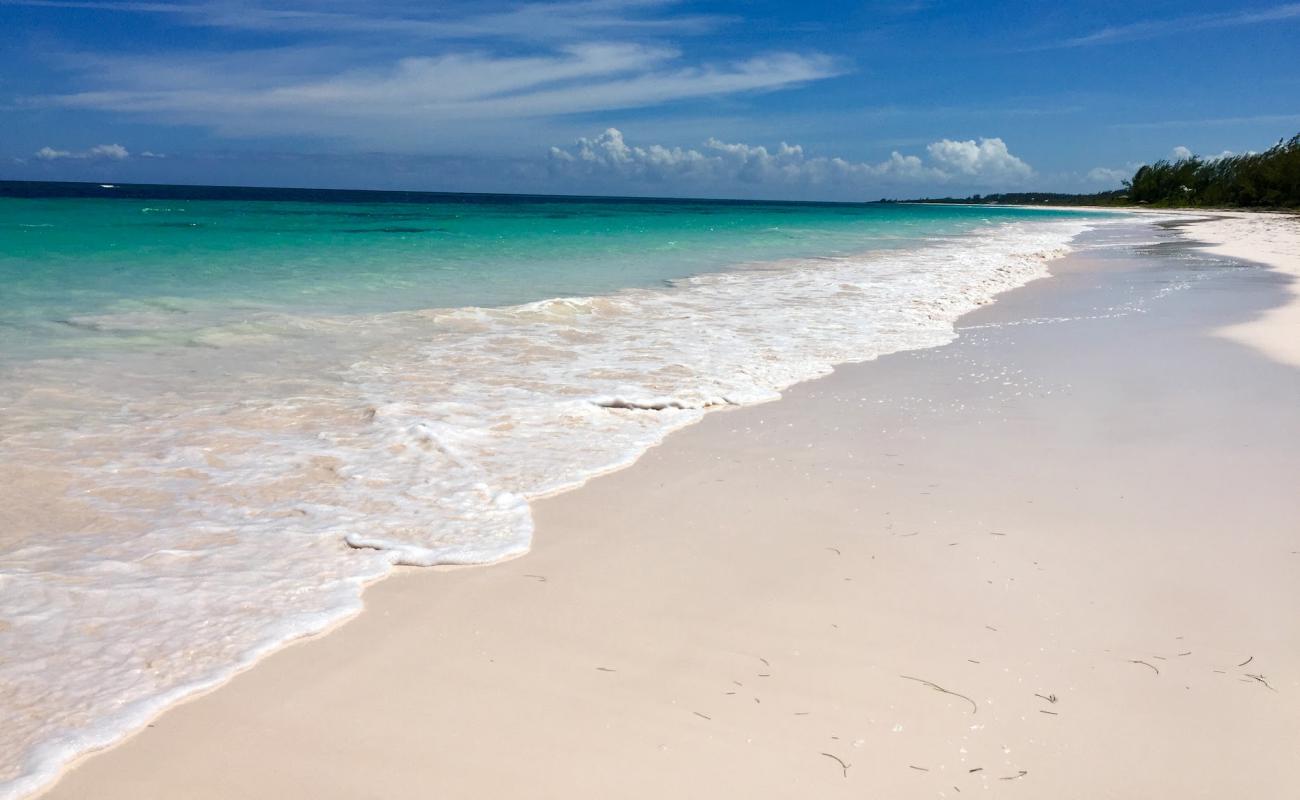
(888,98)
(725,163)
(115,152)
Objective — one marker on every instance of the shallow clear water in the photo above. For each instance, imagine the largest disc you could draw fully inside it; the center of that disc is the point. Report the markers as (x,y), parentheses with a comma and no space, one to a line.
(224,411)
(178,262)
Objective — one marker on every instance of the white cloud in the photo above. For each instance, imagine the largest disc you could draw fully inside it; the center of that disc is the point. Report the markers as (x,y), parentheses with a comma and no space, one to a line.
(718,162)
(987,159)
(1109,176)
(111,152)
(50,154)
(560,21)
(397,75)
(415,100)
(1180,153)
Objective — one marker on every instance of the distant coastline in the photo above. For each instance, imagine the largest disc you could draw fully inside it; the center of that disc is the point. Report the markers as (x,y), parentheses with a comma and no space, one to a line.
(1268,180)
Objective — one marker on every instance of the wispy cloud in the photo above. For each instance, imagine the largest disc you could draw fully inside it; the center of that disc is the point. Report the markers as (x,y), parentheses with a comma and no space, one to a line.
(565,21)
(417,98)
(719,163)
(1169,26)
(432,75)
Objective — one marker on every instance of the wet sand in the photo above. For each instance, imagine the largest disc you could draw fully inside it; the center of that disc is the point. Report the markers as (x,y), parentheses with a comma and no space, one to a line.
(1059,557)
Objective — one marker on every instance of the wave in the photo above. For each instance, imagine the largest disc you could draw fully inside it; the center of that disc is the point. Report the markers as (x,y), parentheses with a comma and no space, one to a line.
(215,519)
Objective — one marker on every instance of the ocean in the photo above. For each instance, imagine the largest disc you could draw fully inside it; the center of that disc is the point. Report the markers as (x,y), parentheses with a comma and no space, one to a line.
(226,410)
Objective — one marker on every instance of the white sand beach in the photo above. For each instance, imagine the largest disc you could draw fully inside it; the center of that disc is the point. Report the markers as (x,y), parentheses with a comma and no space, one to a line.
(1263,239)
(1059,557)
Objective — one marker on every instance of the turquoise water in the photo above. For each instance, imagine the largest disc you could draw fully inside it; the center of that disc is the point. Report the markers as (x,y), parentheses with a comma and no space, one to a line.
(227,410)
(64,258)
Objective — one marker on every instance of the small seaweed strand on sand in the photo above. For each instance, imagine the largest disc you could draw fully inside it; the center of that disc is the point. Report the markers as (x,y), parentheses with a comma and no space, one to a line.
(1260,679)
(843,766)
(1022,773)
(974,706)
(1247,661)
(1145,664)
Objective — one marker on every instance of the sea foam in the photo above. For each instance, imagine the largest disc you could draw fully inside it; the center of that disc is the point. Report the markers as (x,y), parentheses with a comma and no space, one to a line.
(213,519)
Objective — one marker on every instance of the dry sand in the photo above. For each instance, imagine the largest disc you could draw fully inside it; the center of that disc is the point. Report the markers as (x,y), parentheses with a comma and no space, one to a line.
(1059,558)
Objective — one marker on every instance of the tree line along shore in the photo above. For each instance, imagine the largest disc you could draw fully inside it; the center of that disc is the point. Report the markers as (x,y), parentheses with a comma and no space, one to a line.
(1270,179)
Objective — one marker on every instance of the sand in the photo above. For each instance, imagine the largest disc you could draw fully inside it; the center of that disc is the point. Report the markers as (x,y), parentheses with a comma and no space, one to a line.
(1272,240)
(1057,558)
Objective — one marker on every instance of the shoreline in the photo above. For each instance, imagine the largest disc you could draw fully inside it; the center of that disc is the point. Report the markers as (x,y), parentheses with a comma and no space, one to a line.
(992,263)
(563,513)
(1239,235)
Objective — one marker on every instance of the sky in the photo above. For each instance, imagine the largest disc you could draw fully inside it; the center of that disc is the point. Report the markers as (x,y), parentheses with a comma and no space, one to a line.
(761,99)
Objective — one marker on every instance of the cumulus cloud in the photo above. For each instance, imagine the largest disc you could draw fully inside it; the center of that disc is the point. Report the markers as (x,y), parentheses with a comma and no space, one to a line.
(610,155)
(50,154)
(113,151)
(1180,153)
(989,159)
(108,152)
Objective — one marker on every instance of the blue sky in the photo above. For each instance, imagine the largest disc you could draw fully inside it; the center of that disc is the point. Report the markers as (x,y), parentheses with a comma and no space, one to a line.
(651,97)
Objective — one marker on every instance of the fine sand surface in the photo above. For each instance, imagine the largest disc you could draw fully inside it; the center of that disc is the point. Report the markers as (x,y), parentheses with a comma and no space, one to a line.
(1275,242)
(1059,558)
